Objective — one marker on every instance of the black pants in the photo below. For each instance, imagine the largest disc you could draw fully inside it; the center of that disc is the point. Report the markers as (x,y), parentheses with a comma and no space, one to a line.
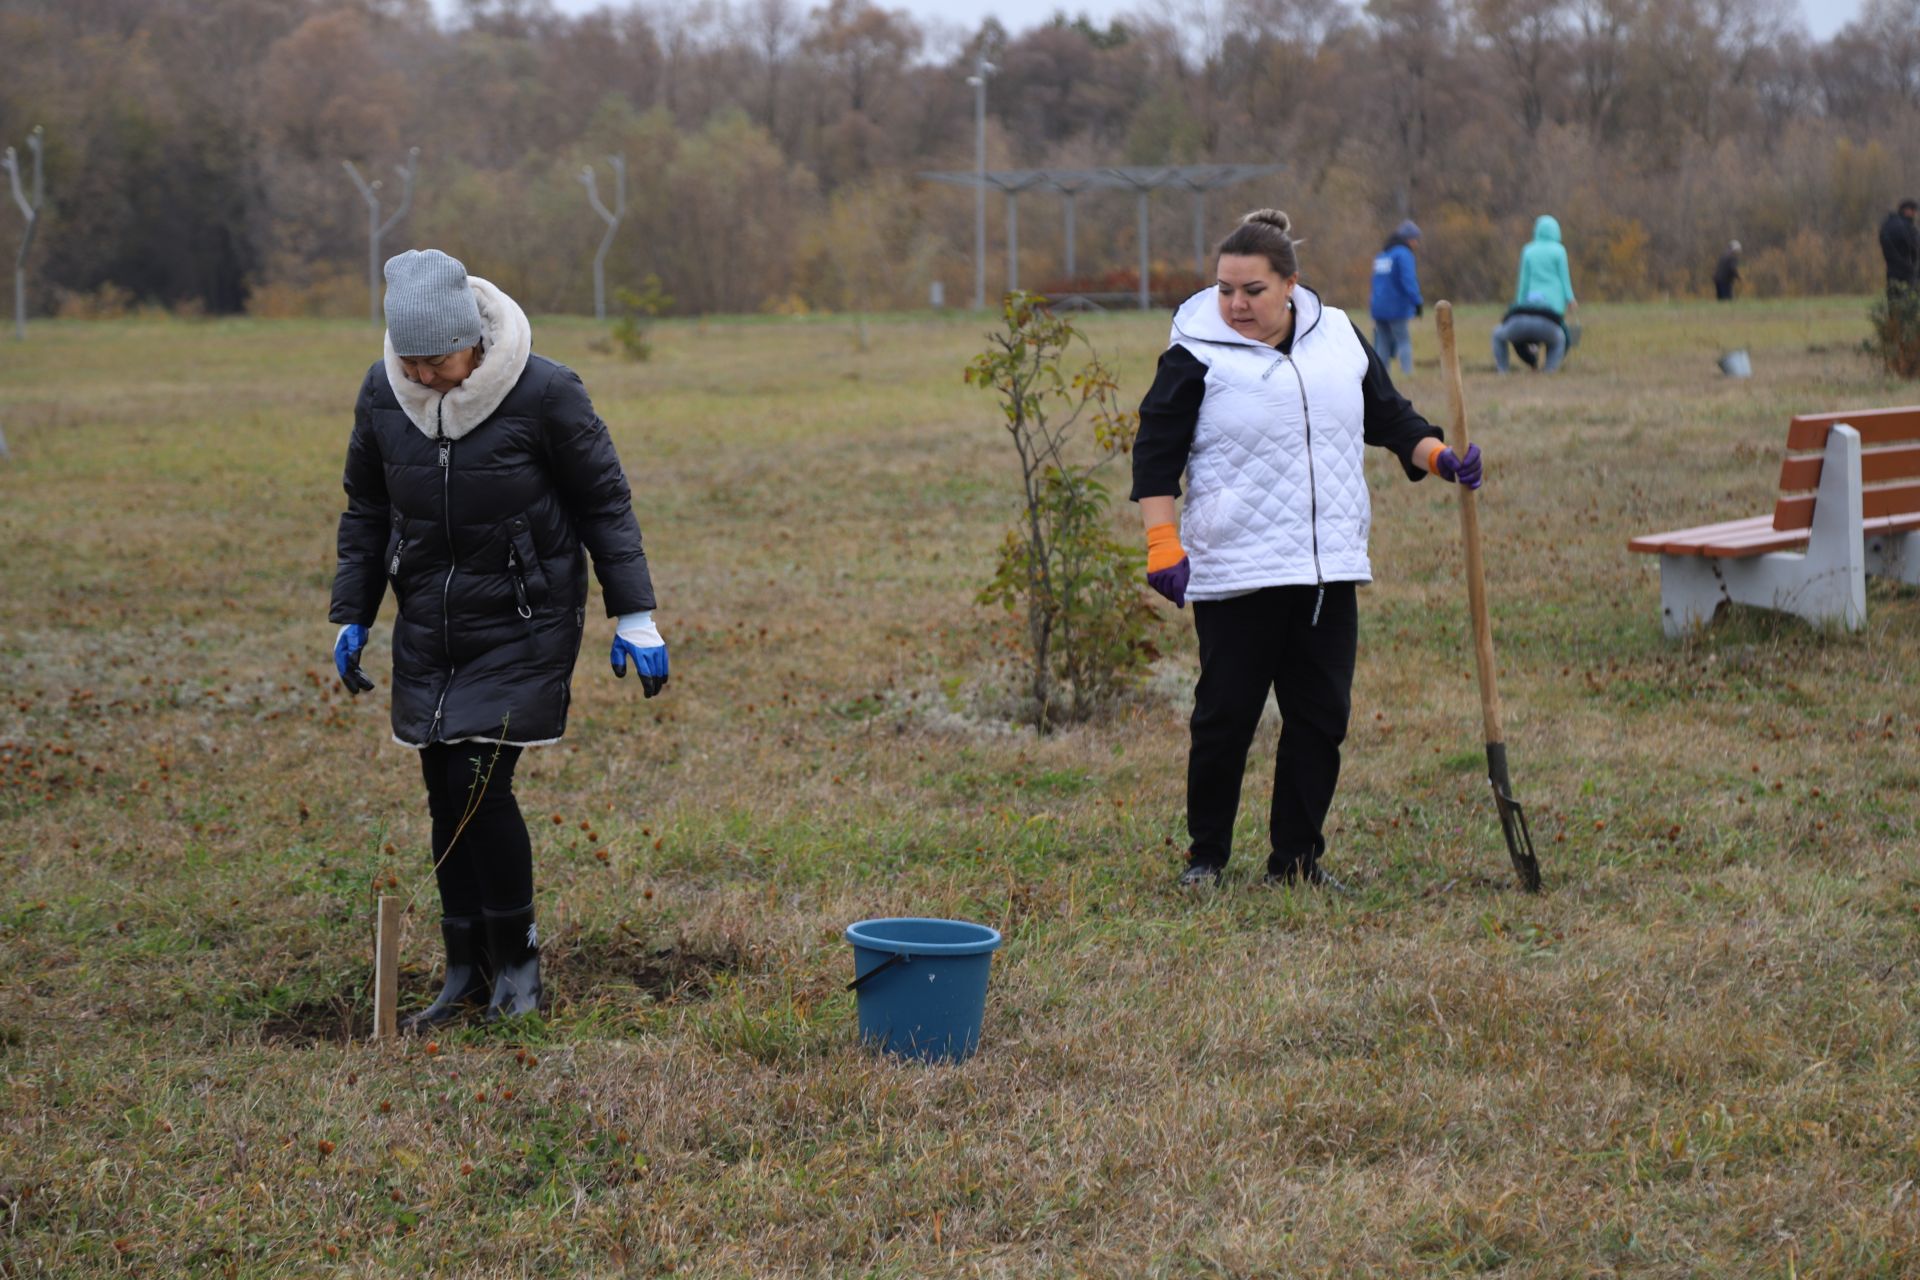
(481,854)
(1248,645)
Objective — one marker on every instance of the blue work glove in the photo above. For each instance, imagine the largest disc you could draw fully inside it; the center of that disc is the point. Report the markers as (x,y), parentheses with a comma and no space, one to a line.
(346,658)
(635,636)
(1450,466)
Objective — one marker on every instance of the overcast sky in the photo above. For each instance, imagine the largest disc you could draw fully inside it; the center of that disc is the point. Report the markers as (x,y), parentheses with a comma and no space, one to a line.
(1823,17)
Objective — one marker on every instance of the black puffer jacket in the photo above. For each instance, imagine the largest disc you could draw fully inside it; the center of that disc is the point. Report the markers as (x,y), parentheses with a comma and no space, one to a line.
(485,539)
(1900,246)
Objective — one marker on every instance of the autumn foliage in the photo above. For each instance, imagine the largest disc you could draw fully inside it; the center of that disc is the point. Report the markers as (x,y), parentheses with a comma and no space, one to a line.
(195,146)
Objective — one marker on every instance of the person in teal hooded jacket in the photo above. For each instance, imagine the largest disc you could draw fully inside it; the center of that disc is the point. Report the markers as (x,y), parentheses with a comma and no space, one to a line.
(1536,324)
(1544,278)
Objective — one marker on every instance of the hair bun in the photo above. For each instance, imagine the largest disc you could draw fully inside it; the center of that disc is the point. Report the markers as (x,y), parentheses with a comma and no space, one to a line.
(1274,218)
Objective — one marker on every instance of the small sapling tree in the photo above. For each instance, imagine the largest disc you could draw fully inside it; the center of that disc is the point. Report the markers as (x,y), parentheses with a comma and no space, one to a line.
(636,308)
(1078,587)
(1896,333)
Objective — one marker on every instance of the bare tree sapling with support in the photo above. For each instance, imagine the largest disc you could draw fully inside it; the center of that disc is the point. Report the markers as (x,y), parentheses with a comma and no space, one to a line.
(30,210)
(612,219)
(376,229)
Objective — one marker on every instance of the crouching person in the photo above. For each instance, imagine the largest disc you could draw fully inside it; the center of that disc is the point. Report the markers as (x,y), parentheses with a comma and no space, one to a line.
(1536,334)
(479,480)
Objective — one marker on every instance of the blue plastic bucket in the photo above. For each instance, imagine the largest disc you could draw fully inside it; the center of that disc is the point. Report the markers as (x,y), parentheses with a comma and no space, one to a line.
(922,984)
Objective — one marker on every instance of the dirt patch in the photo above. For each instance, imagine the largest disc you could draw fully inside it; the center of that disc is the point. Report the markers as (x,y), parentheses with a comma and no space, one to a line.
(312,1022)
(598,968)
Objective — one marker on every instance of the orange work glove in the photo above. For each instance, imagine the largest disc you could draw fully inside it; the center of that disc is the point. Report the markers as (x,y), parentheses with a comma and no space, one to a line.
(1167,565)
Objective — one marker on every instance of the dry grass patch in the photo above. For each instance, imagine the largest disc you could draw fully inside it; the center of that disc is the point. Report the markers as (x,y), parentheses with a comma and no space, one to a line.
(1695,1056)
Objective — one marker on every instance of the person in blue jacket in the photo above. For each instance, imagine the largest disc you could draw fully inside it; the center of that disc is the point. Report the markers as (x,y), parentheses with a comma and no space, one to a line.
(1396,295)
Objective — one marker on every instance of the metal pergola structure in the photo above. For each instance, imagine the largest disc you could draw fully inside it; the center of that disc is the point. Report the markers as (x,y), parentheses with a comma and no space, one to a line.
(1142,180)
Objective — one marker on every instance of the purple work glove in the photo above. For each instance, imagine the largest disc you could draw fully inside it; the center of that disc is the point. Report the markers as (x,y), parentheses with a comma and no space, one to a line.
(1172,583)
(1451,467)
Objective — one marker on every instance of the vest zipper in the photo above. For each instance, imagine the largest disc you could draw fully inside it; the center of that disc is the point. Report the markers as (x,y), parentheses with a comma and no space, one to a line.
(1313,493)
(446,587)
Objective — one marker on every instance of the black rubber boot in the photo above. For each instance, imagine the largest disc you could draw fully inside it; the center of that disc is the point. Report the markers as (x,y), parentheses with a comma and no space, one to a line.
(469,975)
(514,942)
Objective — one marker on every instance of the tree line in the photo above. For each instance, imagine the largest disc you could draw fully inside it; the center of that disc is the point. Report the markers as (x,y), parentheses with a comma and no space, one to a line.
(194,147)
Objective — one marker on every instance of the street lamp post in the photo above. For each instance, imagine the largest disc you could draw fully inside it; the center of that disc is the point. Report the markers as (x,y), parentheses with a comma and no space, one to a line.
(979,82)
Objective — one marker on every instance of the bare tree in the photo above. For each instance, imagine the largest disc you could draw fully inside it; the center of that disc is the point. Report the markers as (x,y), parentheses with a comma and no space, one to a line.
(774,28)
(1414,36)
(30,211)
(863,46)
(1526,34)
(1784,87)
(1894,26)
(1603,28)
(1304,24)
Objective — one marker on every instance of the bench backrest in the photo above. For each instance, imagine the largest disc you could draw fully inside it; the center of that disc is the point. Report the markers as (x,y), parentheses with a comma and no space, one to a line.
(1889,463)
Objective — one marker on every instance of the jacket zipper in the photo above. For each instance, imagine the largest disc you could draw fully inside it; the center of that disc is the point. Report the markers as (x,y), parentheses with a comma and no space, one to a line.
(519,584)
(393,569)
(446,587)
(1313,488)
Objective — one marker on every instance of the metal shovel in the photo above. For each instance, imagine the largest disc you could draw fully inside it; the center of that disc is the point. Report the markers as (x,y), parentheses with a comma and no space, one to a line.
(1513,819)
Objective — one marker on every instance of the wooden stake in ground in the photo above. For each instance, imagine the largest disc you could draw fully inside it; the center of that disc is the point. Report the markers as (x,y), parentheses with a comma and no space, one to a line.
(386,970)
(1513,819)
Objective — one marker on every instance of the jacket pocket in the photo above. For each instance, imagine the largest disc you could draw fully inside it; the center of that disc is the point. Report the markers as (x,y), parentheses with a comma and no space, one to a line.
(517,576)
(529,579)
(1196,526)
(396,551)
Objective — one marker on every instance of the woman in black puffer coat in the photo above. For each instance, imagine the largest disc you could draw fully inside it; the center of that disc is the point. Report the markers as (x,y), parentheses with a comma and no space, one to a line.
(478,480)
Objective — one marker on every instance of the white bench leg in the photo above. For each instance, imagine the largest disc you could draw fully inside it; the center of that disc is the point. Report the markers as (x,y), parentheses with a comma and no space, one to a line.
(1896,556)
(1690,593)
(1824,584)
(1827,582)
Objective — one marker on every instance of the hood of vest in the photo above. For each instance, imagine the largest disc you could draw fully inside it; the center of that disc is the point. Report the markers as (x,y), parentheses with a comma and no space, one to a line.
(508,340)
(1199,319)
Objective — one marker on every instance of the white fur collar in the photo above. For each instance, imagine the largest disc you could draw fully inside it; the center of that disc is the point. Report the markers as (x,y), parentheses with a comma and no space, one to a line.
(509,340)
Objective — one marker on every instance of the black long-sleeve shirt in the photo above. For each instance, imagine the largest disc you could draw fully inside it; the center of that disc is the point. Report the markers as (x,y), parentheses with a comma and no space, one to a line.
(1171,410)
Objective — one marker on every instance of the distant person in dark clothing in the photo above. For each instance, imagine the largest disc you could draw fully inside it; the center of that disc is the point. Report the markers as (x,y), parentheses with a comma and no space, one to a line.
(1900,246)
(1726,273)
(479,482)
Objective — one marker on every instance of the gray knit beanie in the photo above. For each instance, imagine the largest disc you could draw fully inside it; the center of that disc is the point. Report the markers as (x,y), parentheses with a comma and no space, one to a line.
(430,307)
(1407,230)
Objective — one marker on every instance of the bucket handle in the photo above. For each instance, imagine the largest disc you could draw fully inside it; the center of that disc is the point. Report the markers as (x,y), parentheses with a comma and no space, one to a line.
(898,957)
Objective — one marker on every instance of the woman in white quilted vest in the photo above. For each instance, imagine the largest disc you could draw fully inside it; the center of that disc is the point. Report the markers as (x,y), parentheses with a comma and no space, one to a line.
(1265,398)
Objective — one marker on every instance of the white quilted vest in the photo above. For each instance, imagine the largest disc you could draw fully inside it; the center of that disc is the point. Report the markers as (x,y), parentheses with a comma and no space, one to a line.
(1276,491)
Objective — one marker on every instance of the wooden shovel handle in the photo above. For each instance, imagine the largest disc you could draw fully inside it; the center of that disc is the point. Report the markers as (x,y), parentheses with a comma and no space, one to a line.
(1469,528)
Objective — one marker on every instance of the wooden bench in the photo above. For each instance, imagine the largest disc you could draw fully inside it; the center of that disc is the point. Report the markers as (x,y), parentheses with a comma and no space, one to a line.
(1849,506)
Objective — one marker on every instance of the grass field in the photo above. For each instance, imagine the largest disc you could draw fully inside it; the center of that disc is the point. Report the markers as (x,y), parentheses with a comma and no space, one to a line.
(1697,1055)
